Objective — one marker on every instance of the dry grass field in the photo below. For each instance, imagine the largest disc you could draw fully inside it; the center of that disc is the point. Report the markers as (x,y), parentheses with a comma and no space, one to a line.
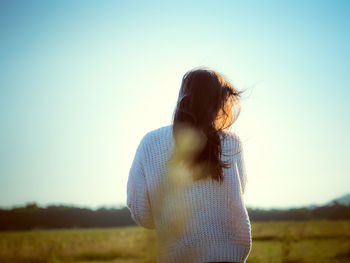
(273,242)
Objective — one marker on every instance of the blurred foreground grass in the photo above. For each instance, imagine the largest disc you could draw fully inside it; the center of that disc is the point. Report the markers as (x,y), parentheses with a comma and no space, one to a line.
(280,242)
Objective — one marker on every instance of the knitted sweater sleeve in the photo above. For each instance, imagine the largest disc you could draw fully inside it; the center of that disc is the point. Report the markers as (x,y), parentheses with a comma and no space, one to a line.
(241,166)
(137,193)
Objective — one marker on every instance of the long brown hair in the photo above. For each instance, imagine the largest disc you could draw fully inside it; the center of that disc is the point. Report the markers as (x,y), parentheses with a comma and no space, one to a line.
(209,105)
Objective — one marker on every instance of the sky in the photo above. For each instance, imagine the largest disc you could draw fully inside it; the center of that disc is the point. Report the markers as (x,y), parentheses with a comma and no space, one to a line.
(81,82)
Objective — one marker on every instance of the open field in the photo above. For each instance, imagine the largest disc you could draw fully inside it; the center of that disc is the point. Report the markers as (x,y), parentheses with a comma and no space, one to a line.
(273,242)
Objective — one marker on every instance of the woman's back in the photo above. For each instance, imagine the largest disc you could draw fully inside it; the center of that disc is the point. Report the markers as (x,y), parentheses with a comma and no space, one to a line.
(188,178)
(195,221)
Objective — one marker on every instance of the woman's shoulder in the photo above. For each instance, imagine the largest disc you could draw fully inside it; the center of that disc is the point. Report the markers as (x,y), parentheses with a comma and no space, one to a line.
(231,142)
(156,133)
(157,137)
(230,136)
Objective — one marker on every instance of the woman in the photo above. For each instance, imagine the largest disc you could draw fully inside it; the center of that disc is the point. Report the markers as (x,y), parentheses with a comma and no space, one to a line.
(187,179)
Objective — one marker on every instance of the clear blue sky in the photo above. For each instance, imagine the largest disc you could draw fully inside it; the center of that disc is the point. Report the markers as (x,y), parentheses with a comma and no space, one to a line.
(82,81)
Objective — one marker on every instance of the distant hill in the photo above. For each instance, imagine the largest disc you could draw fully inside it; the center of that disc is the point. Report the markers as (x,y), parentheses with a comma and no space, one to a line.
(344,200)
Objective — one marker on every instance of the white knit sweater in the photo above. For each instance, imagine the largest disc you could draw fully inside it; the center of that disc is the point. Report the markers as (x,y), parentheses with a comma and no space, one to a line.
(200,221)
